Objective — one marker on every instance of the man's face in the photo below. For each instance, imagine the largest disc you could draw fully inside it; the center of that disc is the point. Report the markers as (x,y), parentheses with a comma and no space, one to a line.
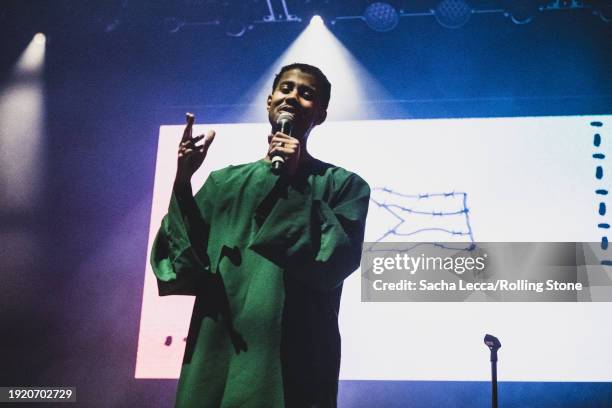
(298,93)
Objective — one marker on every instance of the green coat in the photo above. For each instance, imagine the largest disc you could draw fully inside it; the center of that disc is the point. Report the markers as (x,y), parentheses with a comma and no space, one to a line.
(265,259)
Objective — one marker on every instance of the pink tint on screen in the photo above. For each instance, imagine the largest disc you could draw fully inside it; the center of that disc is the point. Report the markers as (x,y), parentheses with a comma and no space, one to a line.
(165,320)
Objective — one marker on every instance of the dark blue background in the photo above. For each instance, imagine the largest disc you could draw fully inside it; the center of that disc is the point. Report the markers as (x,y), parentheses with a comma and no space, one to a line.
(107,94)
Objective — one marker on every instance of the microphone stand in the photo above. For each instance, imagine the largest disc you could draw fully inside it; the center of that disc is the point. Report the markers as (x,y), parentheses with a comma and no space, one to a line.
(493,344)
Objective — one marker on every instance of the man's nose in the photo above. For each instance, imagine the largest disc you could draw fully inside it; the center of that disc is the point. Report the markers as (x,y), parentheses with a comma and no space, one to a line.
(292,96)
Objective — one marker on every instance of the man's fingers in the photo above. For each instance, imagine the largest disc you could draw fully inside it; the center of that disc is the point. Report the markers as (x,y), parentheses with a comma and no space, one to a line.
(210,136)
(282,136)
(282,150)
(193,141)
(284,139)
(190,118)
(187,133)
(192,145)
(284,143)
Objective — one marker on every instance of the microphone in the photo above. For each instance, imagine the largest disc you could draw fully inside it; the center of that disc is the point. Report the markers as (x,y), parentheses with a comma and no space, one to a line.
(284,124)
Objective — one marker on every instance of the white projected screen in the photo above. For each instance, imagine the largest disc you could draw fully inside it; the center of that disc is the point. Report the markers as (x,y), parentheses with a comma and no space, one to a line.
(525,180)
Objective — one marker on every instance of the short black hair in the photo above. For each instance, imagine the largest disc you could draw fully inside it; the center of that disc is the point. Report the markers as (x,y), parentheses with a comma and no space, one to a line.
(324,92)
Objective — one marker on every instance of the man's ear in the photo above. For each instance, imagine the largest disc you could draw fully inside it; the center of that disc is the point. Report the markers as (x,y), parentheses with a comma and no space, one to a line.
(321,115)
(269,102)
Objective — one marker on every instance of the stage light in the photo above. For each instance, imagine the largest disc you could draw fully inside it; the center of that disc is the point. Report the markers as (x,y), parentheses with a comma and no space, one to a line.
(40,39)
(112,26)
(452,13)
(316,19)
(172,25)
(522,11)
(235,27)
(603,9)
(22,131)
(32,58)
(381,16)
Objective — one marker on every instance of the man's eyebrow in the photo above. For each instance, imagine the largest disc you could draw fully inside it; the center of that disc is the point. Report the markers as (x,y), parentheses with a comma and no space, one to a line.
(309,87)
(301,86)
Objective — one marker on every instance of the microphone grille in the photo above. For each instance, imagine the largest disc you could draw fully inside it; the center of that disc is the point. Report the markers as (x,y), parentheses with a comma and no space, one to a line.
(285,117)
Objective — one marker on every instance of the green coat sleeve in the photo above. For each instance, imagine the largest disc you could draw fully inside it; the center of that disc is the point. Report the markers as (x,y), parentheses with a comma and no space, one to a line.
(178,256)
(316,242)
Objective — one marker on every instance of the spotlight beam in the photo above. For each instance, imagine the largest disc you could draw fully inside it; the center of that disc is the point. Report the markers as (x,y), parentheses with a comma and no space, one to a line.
(316,19)
(352,85)
(22,96)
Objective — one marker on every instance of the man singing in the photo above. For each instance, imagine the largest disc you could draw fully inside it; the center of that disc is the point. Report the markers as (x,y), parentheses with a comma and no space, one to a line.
(265,253)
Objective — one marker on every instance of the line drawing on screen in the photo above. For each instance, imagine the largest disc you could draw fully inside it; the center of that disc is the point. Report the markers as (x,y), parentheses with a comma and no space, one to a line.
(435,218)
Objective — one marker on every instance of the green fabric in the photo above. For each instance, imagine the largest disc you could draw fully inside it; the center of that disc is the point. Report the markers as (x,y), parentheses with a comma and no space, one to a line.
(247,237)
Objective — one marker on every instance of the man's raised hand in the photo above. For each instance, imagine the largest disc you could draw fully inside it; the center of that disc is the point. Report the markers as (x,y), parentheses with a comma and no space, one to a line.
(191,153)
